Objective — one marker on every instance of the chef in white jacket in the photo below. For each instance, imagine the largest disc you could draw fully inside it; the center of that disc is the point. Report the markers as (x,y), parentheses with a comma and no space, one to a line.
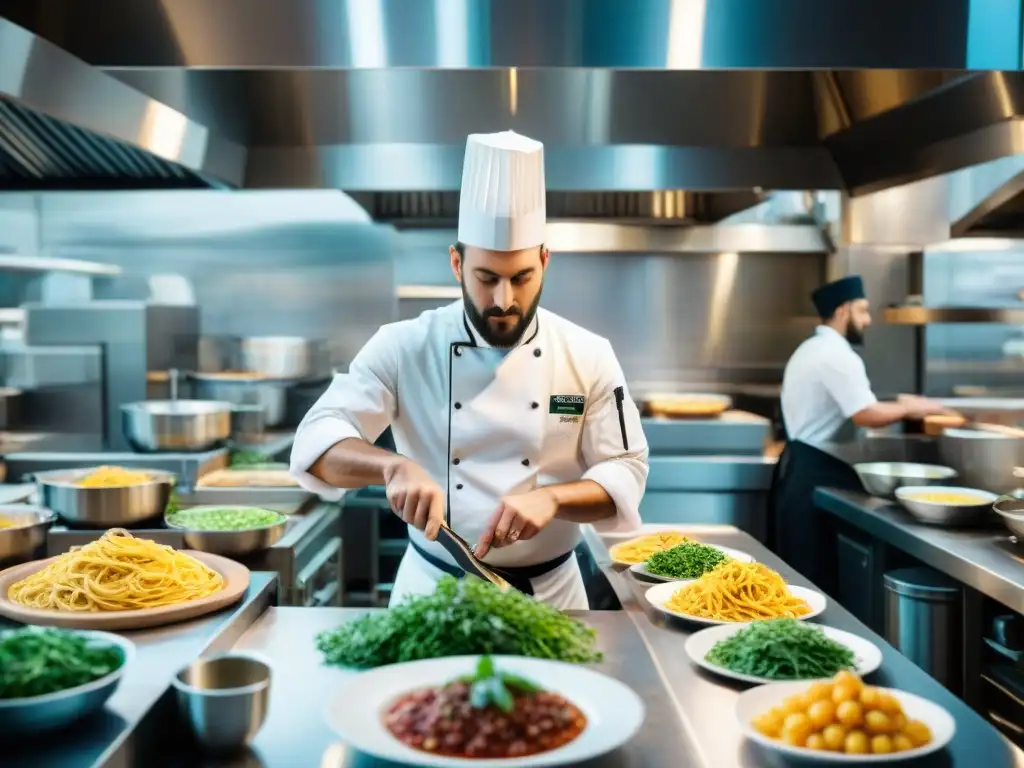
(512,424)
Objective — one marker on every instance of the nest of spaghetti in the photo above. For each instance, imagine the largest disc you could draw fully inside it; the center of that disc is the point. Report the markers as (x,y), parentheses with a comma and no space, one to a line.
(117,572)
(736,591)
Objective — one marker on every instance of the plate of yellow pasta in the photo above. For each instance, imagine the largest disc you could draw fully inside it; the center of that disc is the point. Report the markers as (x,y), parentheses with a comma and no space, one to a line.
(120,581)
(736,593)
(842,720)
(639,549)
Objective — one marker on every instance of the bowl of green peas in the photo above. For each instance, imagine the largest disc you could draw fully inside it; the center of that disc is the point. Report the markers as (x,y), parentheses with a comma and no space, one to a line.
(231,531)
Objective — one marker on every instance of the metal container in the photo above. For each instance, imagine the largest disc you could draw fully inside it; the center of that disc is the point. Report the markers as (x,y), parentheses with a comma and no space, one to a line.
(882,478)
(104,507)
(983,459)
(269,394)
(248,422)
(19,543)
(232,543)
(224,700)
(1011,510)
(21,717)
(946,514)
(922,621)
(10,403)
(176,425)
(284,357)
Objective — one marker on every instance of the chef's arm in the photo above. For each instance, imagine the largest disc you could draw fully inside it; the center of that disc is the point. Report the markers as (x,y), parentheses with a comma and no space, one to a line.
(880,415)
(333,444)
(615,453)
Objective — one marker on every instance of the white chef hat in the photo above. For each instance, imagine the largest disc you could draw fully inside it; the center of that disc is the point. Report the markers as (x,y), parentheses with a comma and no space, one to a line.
(501,207)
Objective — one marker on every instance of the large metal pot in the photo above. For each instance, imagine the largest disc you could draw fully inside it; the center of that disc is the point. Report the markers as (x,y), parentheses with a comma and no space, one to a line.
(19,542)
(104,507)
(176,425)
(984,460)
(270,395)
(284,357)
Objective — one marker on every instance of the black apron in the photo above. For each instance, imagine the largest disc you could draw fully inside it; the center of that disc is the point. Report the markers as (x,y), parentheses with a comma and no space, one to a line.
(804,536)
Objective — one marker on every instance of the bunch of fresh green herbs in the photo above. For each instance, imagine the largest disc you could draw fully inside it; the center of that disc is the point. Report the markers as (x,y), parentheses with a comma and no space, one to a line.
(782,649)
(36,661)
(689,560)
(465,616)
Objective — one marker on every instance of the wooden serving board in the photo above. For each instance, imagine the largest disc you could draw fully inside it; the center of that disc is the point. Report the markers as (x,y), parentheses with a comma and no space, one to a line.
(247,478)
(236,577)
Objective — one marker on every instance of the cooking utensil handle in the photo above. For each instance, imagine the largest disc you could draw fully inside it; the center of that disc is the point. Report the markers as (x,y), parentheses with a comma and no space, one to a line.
(172,376)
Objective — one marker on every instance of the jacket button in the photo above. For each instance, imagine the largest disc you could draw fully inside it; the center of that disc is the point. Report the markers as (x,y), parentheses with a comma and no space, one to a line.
(458,352)
(458,406)
(458,487)
(535,406)
(536,353)
(526,462)
(456,461)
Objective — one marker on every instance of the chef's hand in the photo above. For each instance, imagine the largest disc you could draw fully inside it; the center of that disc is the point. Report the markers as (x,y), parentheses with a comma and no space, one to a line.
(918,407)
(518,518)
(415,497)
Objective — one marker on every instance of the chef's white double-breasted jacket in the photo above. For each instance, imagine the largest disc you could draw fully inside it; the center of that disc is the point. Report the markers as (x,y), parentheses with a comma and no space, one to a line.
(487,422)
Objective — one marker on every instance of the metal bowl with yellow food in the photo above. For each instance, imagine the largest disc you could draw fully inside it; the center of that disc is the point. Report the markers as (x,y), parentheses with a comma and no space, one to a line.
(946,505)
(105,497)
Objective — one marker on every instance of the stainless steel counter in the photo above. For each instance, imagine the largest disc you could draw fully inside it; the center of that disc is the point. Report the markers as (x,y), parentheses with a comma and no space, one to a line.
(109,737)
(690,714)
(985,559)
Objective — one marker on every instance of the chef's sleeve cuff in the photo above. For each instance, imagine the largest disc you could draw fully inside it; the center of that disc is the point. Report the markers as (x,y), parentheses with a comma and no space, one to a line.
(311,442)
(624,480)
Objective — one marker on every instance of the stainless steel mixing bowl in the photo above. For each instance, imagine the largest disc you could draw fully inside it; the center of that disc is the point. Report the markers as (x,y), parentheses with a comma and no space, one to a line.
(224,699)
(946,514)
(104,507)
(19,717)
(983,459)
(232,543)
(269,395)
(176,425)
(1011,510)
(882,478)
(19,543)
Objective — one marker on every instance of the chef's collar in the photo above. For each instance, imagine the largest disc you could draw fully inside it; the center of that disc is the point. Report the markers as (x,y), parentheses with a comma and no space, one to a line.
(528,335)
(829,332)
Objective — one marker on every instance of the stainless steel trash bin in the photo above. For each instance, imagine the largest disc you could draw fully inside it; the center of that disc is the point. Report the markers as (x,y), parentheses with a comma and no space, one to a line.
(923,621)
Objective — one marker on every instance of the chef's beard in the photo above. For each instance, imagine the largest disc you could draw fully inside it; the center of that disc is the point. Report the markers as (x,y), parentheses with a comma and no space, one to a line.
(854,335)
(510,337)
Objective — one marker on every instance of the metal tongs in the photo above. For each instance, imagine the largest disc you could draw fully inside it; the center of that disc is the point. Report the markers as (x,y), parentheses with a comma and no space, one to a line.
(460,549)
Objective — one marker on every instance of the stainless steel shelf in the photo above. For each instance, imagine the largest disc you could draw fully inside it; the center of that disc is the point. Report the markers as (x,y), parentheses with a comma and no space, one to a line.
(18,263)
(927,315)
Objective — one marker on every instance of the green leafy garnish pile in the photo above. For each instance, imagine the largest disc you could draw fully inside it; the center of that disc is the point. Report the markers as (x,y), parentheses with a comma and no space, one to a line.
(248,458)
(462,617)
(689,560)
(35,662)
(491,687)
(782,649)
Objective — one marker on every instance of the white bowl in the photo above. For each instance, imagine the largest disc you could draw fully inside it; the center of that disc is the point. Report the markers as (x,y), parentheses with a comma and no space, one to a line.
(660,594)
(757,701)
(867,655)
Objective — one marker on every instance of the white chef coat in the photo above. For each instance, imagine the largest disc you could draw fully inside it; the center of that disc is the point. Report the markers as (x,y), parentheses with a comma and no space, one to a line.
(825,383)
(483,423)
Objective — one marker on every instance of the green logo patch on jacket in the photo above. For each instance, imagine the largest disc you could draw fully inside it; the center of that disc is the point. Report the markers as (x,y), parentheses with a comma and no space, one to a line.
(567,405)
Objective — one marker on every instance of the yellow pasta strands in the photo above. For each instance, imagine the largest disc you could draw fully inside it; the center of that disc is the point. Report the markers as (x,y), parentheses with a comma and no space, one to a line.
(639,550)
(113,477)
(736,591)
(117,572)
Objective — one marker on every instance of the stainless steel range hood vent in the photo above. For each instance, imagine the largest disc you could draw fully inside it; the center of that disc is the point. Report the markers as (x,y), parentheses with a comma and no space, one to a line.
(669,207)
(67,126)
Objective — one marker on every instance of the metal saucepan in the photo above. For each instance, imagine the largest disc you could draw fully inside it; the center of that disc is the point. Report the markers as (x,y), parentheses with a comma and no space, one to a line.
(176,425)
(882,478)
(28,532)
(983,459)
(284,357)
(244,389)
(104,507)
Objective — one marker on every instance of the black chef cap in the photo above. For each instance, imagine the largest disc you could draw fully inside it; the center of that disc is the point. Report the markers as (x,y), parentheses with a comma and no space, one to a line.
(829,297)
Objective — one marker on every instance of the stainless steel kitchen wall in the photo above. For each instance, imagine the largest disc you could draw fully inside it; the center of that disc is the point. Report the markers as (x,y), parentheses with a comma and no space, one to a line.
(673,319)
(302,263)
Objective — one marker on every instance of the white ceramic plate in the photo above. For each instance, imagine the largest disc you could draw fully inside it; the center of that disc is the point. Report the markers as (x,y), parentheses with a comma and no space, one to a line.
(614,712)
(660,594)
(868,656)
(640,569)
(757,701)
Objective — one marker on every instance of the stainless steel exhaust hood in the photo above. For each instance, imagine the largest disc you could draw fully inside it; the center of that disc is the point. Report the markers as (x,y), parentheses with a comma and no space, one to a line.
(66,125)
(663,111)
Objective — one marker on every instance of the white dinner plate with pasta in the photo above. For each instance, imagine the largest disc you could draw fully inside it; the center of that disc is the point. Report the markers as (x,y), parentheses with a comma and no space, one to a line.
(144,584)
(867,657)
(639,548)
(663,597)
(640,569)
